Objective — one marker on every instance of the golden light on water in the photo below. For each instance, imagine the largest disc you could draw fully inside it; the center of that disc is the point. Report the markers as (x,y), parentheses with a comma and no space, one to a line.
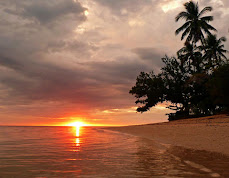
(77,131)
(77,126)
(77,142)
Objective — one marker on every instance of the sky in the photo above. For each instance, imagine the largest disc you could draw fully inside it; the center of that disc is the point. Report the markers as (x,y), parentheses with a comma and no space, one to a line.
(76,60)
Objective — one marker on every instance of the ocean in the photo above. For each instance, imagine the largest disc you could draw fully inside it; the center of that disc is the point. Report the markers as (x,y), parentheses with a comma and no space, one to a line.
(89,152)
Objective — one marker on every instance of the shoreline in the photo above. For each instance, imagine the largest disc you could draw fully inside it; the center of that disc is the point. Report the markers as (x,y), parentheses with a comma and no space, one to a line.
(209,133)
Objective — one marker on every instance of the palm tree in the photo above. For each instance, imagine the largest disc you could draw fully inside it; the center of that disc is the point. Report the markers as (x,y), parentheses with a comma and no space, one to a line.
(190,54)
(214,50)
(195,23)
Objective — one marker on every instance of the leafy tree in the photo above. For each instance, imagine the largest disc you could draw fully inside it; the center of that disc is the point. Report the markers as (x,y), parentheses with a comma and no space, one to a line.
(175,74)
(169,85)
(200,101)
(196,24)
(149,90)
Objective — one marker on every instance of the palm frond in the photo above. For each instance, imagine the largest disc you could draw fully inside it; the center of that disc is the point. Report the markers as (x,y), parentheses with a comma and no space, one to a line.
(185,33)
(196,9)
(206,9)
(223,39)
(181,51)
(181,15)
(209,27)
(223,50)
(206,30)
(207,18)
(221,46)
(221,54)
(189,38)
(182,28)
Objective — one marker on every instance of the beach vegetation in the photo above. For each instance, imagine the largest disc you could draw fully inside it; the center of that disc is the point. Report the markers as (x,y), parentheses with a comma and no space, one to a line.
(196,81)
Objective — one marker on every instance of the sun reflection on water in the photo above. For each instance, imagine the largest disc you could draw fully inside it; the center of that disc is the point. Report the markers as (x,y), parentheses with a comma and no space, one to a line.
(77,132)
(77,140)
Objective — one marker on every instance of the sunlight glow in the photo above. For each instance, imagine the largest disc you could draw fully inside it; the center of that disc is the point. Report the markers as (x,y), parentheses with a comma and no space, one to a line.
(77,131)
(171,5)
(134,23)
(77,124)
(86,13)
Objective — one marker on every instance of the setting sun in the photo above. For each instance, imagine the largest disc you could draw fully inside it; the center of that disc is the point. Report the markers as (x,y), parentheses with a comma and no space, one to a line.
(77,124)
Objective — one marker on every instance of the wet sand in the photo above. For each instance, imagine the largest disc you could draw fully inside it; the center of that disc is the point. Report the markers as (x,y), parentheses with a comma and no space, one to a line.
(207,133)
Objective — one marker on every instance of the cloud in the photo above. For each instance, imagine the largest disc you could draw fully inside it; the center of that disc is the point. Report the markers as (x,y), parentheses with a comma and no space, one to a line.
(31,27)
(120,7)
(42,81)
(45,11)
(151,55)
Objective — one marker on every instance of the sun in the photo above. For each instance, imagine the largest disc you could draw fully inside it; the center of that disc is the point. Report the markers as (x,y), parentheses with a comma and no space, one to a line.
(77,124)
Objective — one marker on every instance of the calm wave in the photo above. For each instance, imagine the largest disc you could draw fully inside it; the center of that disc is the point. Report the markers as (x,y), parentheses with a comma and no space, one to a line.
(93,152)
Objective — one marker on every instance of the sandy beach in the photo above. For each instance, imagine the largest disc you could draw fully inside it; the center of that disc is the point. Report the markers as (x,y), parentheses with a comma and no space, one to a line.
(207,133)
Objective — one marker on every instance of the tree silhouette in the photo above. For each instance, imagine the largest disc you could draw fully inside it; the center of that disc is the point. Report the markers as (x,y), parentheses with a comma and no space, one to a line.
(149,90)
(214,50)
(196,82)
(196,24)
(192,55)
(219,87)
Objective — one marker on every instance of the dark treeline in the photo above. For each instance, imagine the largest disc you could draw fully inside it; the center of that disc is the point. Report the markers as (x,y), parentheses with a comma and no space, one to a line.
(196,81)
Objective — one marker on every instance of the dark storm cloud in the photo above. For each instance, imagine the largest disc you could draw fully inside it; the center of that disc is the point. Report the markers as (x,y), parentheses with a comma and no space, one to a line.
(28,76)
(46,81)
(45,11)
(35,80)
(22,36)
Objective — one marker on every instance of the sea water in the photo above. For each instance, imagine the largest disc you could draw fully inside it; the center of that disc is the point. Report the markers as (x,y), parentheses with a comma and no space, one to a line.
(89,152)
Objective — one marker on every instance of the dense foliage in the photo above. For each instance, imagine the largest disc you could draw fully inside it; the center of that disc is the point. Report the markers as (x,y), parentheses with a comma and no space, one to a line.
(196,81)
